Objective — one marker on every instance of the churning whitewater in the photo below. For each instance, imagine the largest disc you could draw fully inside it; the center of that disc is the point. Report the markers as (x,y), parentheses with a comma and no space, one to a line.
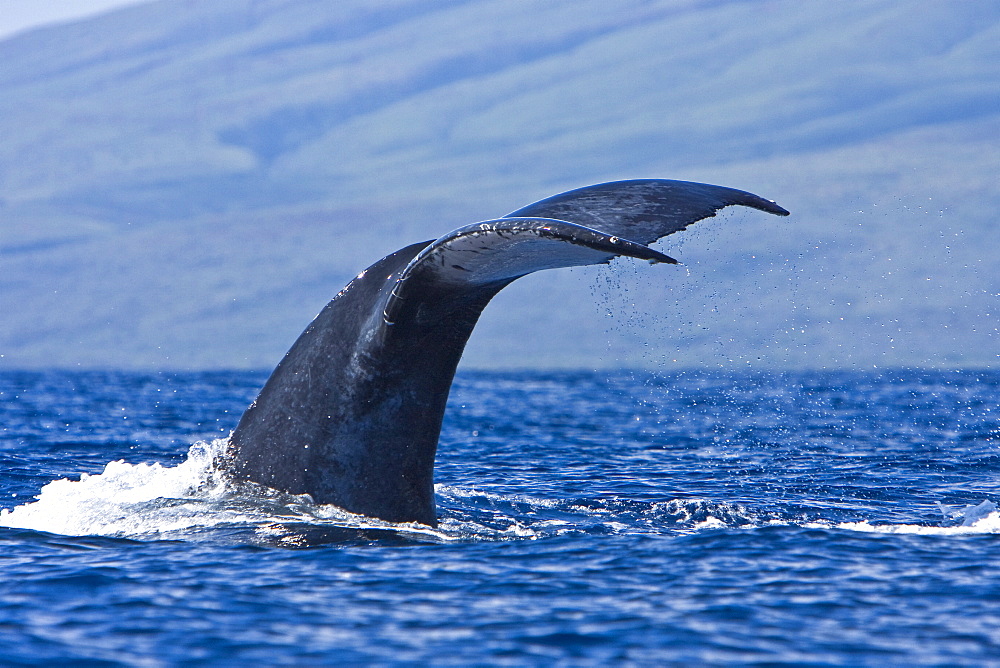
(153,501)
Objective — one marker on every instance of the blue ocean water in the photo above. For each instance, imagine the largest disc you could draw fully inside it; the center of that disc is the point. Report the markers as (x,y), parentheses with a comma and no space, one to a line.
(827,518)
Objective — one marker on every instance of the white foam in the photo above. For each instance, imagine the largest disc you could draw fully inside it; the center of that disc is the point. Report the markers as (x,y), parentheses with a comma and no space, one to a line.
(144,500)
(710,523)
(150,500)
(127,499)
(989,524)
(978,519)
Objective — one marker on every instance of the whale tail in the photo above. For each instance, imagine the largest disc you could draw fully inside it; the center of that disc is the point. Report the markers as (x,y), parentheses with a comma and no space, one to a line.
(353,412)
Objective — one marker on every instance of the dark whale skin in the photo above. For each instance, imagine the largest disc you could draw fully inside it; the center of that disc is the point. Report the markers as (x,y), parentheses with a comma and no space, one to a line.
(352,413)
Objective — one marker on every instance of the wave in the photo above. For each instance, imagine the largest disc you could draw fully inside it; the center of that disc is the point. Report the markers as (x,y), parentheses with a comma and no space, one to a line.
(980,518)
(196,500)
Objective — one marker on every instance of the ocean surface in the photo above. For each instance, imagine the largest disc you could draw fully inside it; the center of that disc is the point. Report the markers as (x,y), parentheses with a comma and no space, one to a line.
(587,518)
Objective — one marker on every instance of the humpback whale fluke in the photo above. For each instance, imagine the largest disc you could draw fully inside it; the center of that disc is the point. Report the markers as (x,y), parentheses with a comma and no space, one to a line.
(352,414)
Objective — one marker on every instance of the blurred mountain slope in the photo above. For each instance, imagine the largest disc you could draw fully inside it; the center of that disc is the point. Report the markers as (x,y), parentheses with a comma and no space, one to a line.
(185,184)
